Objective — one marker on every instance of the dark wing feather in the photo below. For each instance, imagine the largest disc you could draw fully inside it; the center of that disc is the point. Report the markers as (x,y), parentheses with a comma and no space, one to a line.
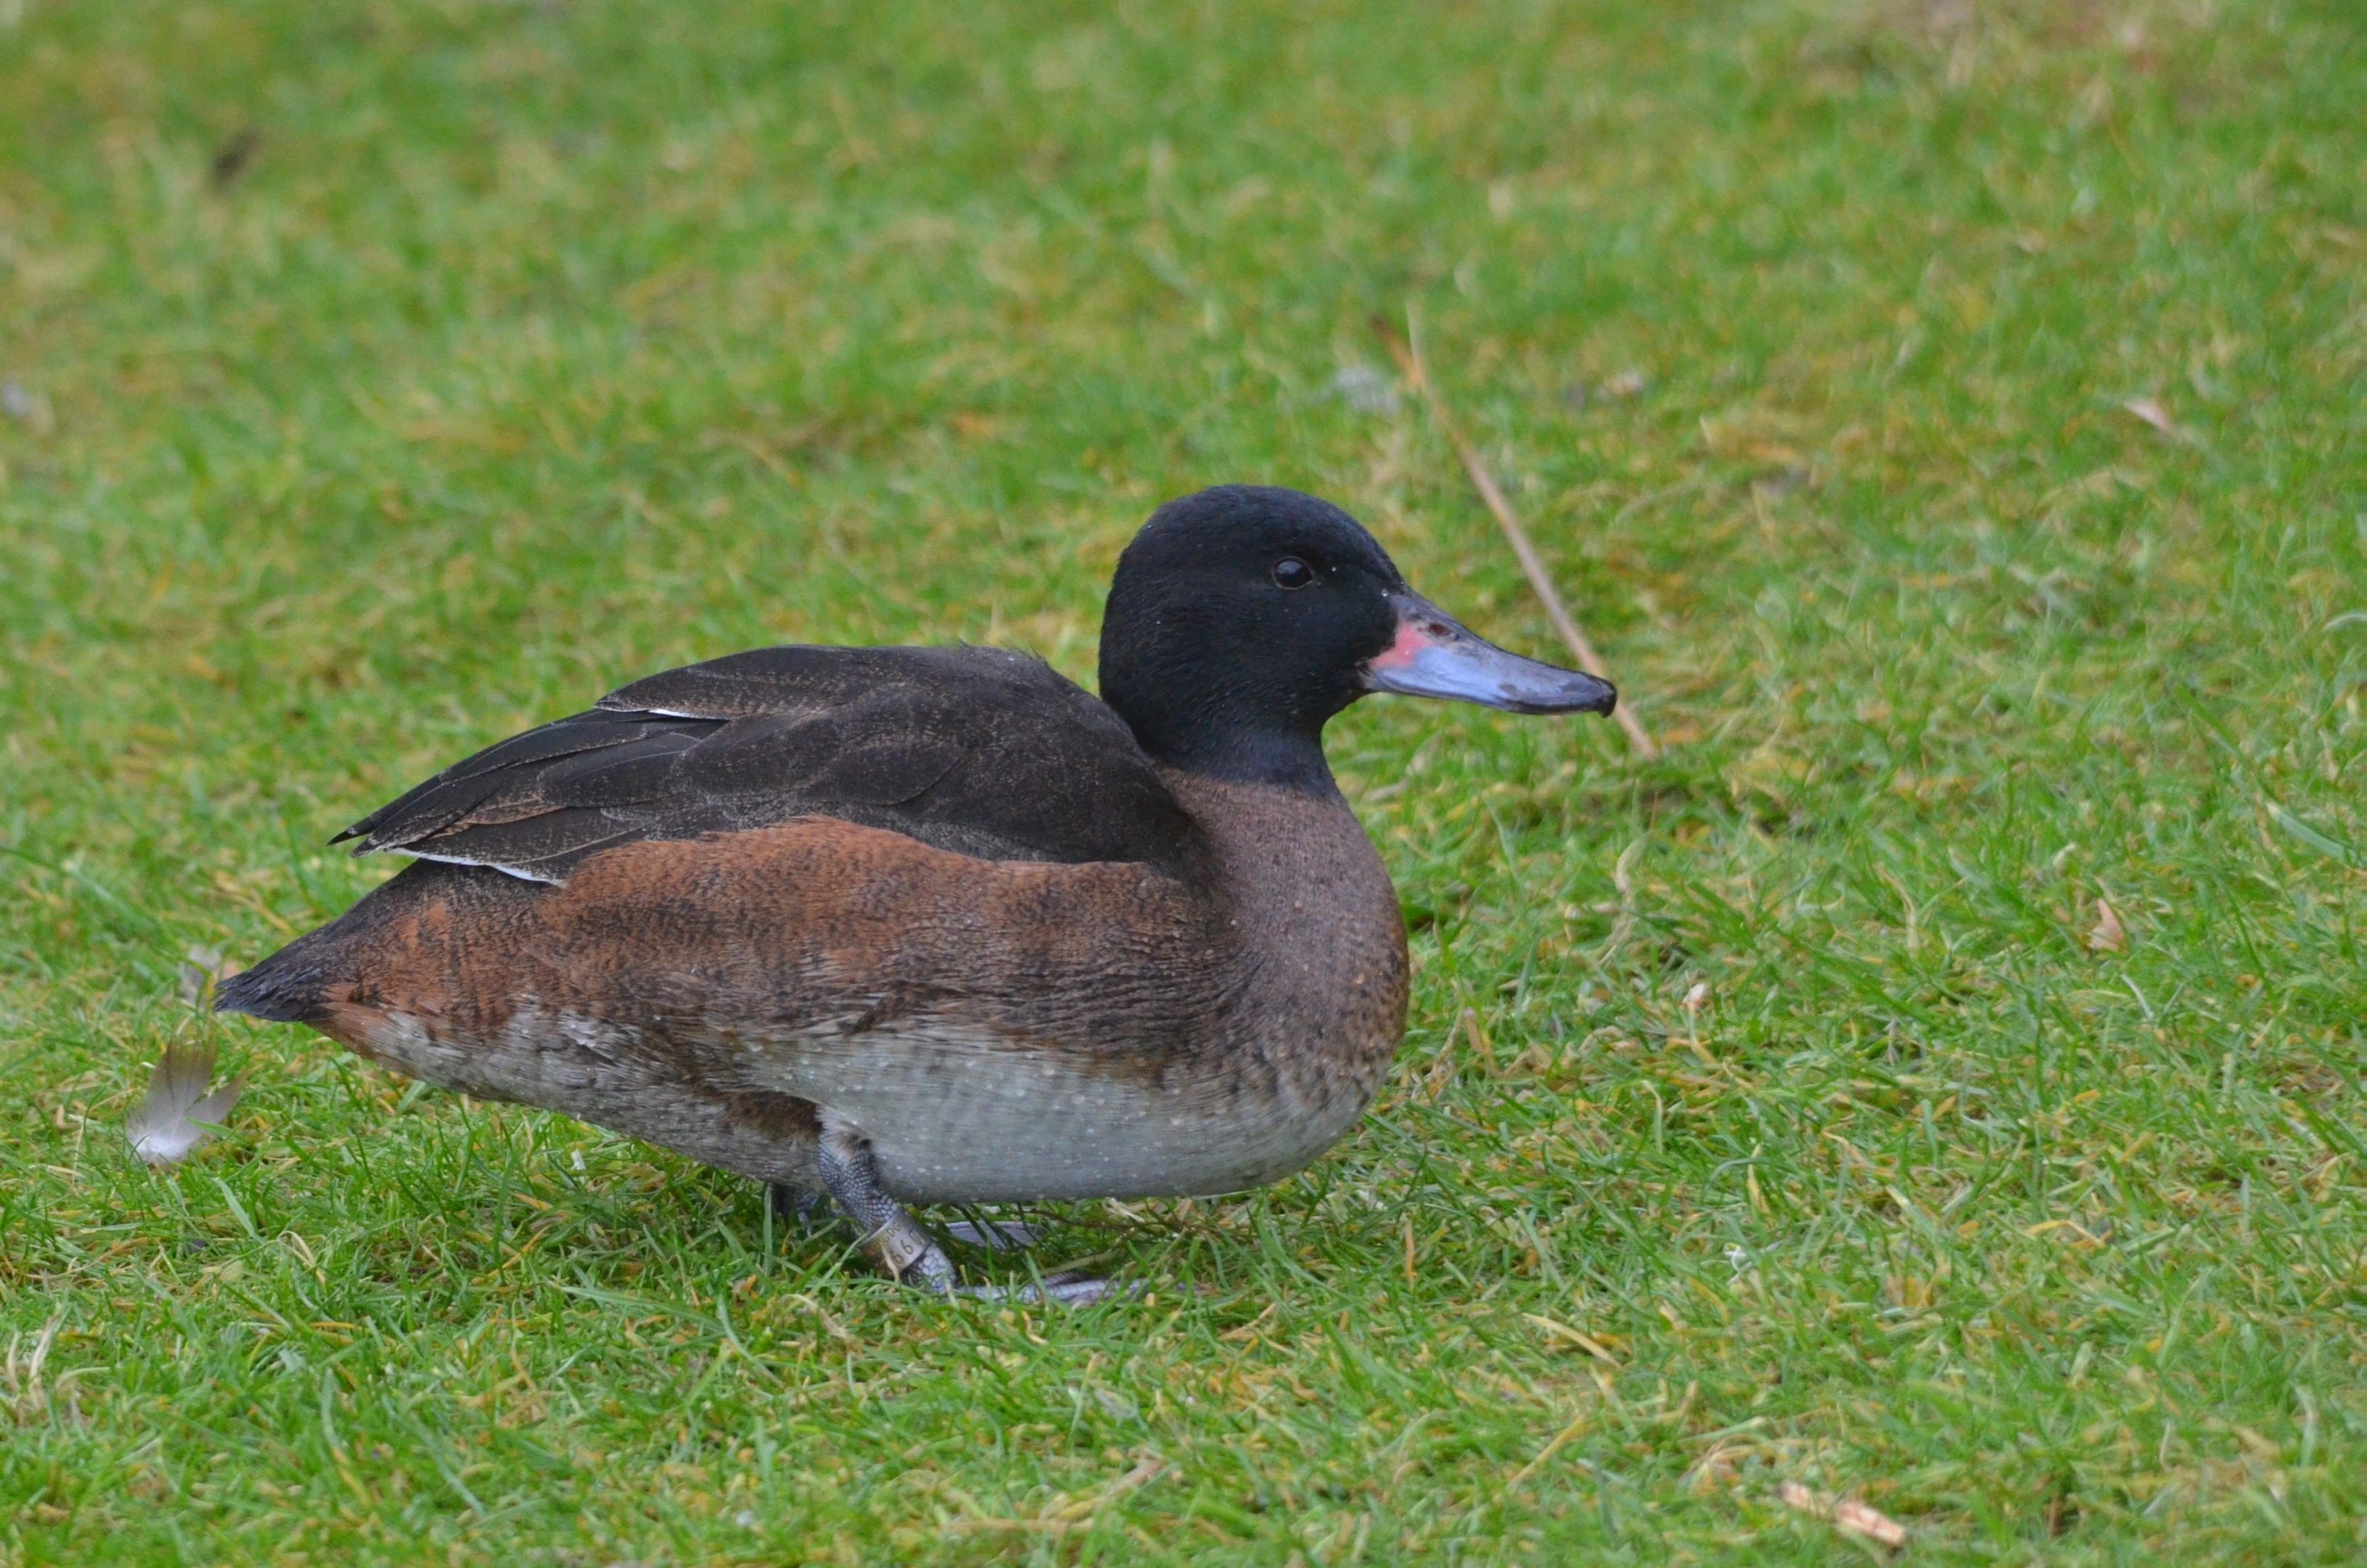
(462,787)
(974,750)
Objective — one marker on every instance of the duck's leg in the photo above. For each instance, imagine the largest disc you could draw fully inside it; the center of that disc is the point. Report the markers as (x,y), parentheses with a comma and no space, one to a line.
(891,1238)
(901,1249)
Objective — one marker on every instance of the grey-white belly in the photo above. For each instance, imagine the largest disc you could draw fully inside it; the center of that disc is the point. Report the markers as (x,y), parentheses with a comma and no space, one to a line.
(956,1119)
(952,1116)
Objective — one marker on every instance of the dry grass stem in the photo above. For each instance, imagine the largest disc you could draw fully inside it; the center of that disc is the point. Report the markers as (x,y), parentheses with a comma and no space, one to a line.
(1846,1513)
(2109,935)
(1578,1338)
(1577,1424)
(1407,351)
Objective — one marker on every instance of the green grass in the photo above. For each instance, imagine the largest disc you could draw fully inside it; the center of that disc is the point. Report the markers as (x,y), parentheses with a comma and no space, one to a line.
(533,348)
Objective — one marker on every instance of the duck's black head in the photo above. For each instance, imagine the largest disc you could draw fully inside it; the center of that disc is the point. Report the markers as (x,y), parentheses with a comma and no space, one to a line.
(1242,618)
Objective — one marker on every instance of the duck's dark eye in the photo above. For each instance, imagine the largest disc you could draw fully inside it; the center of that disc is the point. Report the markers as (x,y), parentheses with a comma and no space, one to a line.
(1292,572)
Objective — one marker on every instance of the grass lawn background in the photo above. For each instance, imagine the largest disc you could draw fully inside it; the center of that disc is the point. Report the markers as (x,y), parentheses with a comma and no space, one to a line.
(383,379)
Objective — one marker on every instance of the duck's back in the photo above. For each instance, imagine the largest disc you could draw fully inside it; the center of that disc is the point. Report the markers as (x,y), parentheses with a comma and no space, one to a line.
(976,750)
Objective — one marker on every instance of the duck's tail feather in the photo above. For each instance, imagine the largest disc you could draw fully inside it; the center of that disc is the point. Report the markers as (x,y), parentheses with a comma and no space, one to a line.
(289,987)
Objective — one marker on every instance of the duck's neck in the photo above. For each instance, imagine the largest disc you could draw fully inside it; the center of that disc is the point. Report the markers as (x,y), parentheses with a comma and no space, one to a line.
(1218,712)
(1263,760)
(1237,749)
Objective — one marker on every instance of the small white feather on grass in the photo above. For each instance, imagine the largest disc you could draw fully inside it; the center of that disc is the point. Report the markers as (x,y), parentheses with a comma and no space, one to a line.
(177,1114)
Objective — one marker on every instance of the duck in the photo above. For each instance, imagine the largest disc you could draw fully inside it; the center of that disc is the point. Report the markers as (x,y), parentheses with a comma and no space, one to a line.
(887,927)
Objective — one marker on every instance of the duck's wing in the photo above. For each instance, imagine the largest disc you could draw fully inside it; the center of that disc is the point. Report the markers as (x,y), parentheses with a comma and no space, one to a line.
(975,750)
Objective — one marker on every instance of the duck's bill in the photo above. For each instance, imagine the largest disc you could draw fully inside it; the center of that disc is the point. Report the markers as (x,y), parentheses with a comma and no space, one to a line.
(1436,655)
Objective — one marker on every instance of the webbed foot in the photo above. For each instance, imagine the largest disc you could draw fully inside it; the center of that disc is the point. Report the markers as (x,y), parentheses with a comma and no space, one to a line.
(1065,1289)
